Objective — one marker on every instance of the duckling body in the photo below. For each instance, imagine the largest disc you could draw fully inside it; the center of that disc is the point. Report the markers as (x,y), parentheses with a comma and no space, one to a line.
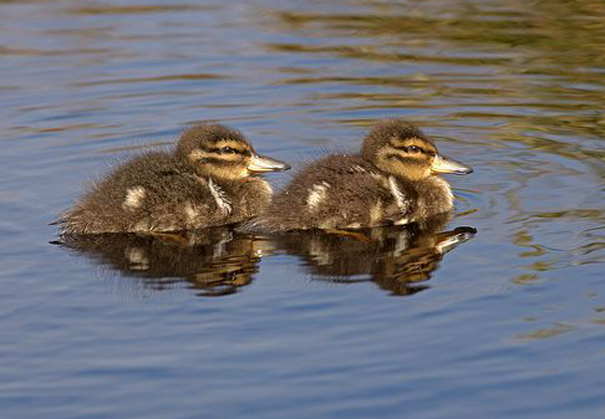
(393,180)
(207,181)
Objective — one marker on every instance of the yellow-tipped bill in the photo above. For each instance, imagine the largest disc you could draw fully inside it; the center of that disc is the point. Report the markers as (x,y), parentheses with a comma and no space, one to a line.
(260,164)
(444,165)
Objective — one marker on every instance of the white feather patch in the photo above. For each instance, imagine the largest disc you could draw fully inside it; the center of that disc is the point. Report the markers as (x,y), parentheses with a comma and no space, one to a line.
(134,198)
(402,221)
(220,197)
(376,213)
(191,212)
(317,195)
(400,200)
(382,180)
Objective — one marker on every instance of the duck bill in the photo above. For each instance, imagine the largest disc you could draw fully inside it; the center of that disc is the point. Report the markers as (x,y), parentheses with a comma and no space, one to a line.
(261,164)
(444,165)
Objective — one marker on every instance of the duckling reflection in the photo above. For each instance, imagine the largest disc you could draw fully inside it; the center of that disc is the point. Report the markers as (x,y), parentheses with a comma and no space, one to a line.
(214,261)
(219,261)
(396,258)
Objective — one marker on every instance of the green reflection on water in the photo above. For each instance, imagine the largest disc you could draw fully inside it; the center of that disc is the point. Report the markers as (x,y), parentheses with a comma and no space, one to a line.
(529,75)
(554,53)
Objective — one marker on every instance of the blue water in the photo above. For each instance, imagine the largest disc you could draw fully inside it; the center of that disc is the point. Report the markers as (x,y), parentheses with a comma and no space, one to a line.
(509,324)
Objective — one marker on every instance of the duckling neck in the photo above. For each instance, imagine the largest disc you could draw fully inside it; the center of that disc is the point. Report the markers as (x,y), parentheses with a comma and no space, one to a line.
(432,195)
(247,197)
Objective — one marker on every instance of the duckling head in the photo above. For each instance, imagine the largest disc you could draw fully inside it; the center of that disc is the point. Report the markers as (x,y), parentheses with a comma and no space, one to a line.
(221,152)
(403,150)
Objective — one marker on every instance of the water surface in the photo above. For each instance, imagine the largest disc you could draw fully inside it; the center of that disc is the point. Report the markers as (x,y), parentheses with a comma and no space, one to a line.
(506,323)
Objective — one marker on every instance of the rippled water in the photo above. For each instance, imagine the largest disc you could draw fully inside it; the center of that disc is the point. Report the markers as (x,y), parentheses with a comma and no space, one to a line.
(508,323)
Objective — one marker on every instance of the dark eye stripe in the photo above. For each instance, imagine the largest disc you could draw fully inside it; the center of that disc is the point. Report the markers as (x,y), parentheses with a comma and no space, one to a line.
(407,149)
(400,158)
(223,150)
(227,150)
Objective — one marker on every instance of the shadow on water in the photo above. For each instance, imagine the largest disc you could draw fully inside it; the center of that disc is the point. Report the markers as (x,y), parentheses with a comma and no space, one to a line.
(220,261)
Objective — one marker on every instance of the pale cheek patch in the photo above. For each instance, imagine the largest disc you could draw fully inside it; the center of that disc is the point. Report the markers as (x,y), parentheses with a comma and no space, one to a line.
(134,198)
(317,195)
(230,157)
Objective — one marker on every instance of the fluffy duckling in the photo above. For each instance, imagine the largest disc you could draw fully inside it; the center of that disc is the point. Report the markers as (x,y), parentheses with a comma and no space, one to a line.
(208,180)
(393,180)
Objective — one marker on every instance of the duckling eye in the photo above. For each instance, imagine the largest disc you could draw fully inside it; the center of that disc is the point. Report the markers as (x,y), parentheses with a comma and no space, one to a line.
(414,149)
(228,150)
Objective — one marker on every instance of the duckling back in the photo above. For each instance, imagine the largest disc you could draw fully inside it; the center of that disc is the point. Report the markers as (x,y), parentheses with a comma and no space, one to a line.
(338,191)
(158,192)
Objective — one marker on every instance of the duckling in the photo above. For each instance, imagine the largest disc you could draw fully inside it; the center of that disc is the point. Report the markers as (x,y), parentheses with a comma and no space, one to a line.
(393,180)
(208,180)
